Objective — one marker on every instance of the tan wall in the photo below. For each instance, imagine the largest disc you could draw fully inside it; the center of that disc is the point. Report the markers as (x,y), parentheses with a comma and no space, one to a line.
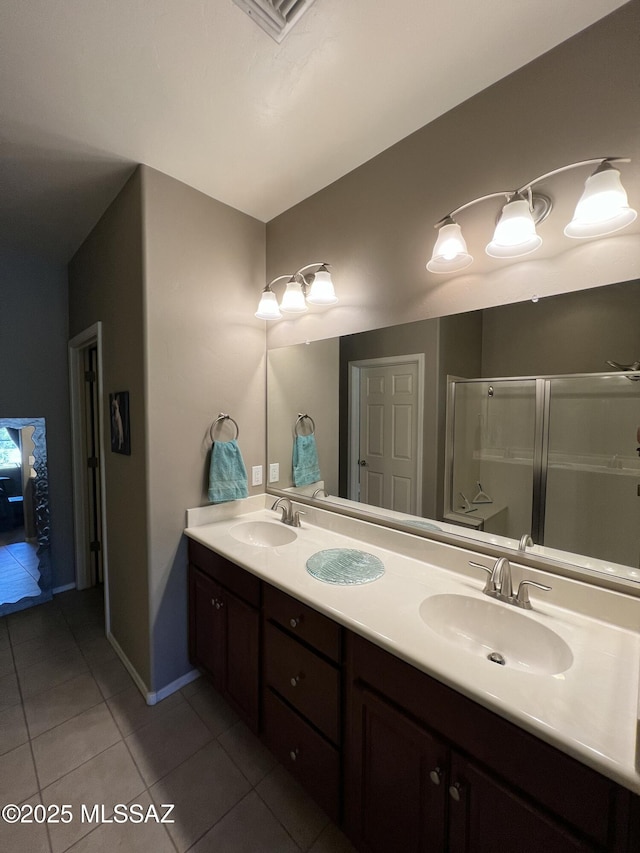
(205,353)
(106,284)
(375,225)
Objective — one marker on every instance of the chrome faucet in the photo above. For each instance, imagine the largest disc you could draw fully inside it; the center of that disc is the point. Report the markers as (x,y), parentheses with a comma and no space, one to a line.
(289,517)
(499,584)
(525,542)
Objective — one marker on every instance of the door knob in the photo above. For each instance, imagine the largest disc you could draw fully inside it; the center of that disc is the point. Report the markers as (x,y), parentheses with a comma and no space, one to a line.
(362,462)
(436,776)
(455,791)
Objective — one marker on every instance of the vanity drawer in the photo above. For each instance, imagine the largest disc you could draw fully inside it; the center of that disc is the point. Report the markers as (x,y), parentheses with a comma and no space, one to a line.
(303,622)
(237,580)
(305,680)
(307,755)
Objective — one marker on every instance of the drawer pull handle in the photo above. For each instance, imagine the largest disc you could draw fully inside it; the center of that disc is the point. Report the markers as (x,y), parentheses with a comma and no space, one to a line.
(455,791)
(436,776)
(296,679)
(295,621)
(293,755)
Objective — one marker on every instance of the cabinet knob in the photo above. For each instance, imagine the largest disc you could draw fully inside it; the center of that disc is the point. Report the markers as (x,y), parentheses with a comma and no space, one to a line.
(293,755)
(455,791)
(294,621)
(436,776)
(219,604)
(296,679)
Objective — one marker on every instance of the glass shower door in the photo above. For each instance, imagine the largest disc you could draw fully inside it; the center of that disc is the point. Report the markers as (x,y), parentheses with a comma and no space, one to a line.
(492,442)
(592,502)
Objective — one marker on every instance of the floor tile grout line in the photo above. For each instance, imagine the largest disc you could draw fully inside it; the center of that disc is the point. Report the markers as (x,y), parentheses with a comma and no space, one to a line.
(268,807)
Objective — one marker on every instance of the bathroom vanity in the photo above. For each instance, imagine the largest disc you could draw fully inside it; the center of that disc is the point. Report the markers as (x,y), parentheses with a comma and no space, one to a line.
(409,739)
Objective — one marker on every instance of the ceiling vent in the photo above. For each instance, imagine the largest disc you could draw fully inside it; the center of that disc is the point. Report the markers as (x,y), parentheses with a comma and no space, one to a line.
(275,17)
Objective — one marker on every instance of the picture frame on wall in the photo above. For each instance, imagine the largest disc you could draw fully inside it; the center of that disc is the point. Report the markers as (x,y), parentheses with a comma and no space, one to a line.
(119,416)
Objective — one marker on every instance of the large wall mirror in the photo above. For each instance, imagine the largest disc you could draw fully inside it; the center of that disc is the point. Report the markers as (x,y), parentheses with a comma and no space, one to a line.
(491,426)
(25,571)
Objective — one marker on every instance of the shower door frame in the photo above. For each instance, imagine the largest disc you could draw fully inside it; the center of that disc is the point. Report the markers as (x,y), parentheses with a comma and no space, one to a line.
(540,443)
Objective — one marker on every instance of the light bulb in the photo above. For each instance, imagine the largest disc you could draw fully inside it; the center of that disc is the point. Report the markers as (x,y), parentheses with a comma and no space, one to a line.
(293,301)
(322,291)
(603,207)
(450,251)
(515,233)
(268,308)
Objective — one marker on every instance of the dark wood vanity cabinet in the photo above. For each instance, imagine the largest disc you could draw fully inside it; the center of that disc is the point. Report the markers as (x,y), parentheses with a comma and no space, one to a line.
(427,769)
(402,762)
(302,695)
(224,628)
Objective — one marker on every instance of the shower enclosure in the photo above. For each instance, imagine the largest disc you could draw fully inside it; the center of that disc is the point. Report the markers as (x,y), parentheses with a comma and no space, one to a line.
(552,456)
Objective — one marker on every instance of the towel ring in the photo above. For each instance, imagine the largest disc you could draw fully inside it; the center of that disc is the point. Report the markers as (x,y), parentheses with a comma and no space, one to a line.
(223,417)
(302,417)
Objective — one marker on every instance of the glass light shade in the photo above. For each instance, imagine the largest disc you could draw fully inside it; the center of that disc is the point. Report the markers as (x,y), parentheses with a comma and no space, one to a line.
(450,251)
(293,301)
(268,308)
(322,292)
(603,206)
(515,233)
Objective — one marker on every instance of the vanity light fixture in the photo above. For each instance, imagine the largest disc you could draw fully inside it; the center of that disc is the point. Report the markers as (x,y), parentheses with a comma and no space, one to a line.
(602,209)
(303,289)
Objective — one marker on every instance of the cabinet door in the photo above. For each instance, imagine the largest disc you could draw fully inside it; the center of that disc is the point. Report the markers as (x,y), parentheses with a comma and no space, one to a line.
(485,817)
(207,626)
(395,794)
(242,657)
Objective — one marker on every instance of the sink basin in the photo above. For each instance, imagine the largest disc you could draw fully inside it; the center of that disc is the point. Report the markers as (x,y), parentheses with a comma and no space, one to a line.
(498,632)
(266,534)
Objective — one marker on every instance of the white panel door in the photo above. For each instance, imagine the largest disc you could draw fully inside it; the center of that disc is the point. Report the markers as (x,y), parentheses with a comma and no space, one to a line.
(388,456)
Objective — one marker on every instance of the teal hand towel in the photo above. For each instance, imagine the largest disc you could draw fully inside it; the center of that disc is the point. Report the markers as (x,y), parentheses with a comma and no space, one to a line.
(227,474)
(306,469)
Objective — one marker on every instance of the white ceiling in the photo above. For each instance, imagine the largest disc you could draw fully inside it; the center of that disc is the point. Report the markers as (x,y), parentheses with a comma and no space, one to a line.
(193,88)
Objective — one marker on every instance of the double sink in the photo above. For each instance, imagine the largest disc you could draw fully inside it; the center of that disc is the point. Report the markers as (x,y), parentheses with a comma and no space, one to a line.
(498,632)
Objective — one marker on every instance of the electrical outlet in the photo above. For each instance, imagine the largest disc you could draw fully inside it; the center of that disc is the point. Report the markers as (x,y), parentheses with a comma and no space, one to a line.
(256,475)
(274,472)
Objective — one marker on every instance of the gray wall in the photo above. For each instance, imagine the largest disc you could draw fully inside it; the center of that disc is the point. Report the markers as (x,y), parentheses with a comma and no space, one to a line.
(106,284)
(35,380)
(571,333)
(172,274)
(205,353)
(375,225)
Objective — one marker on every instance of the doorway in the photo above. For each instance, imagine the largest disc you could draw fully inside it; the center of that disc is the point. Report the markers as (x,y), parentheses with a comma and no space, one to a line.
(386,426)
(85,365)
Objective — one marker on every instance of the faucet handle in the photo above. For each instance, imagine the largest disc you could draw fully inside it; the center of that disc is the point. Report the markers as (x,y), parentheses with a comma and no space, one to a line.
(490,585)
(522,598)
(296,518)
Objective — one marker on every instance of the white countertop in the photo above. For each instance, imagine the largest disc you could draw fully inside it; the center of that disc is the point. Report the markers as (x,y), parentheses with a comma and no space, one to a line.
(590,711)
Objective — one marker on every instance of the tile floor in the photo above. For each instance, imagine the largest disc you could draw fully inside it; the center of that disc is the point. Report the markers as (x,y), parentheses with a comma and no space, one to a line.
(18,571)
(74,730)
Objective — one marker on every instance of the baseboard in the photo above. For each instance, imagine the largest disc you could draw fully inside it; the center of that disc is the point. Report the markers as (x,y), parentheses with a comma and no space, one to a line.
(168,689)
(65,588)
(142,687)
(151,697)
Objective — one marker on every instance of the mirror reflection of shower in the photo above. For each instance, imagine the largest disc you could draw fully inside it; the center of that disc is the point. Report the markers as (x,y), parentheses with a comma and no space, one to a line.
(556,454)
